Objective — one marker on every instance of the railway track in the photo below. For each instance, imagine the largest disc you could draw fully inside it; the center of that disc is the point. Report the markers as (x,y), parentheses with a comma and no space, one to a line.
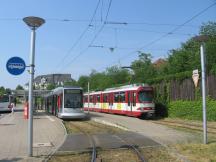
(130,146)
(88,133)
(193,126)
(94,149)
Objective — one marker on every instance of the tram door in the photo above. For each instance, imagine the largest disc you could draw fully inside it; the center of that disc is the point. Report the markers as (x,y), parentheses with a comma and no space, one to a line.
(110,100)
(131,101)
(129,109)
(55,105)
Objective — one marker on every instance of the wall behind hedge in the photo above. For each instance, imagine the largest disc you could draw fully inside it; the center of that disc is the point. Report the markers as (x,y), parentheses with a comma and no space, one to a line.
(183,89)
(179,98)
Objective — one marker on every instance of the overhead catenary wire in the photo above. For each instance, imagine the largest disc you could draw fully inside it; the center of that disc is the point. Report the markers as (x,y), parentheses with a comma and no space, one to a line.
(48,19)
(144,23)
(164,35)
(81,35)
(148,31)
(94,38)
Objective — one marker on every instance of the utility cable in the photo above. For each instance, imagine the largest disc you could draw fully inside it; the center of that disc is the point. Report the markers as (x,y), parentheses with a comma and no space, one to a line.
(94,38)
(81,36)
(165,35)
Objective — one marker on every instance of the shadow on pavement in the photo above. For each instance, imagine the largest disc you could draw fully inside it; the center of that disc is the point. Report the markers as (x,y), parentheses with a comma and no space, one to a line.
(12,159)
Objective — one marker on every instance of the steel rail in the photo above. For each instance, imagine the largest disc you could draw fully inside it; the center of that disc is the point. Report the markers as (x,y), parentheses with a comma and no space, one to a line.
(94,150)
(193,126)
(140,156)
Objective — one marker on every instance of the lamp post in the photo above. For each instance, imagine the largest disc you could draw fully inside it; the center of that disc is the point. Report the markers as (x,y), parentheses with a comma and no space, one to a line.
(33,23)
(202,39)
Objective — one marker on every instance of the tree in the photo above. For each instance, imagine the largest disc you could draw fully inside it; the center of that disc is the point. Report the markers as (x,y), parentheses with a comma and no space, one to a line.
(209,29)
(98,81)
(19,87)
(187,57)
(116,75)
(8,91)
(50,86)
(70,83)
(143,68)
(83,82)
(2,90)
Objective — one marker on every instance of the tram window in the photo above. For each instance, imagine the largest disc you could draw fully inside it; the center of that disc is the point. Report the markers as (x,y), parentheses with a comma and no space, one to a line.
(85,99)
(116,97)
(105,98)
(145,96)
(4,98)
(91,98)
(134,98)
(122,96)
(94,99)
(110,99)
(128,96)
(98,98)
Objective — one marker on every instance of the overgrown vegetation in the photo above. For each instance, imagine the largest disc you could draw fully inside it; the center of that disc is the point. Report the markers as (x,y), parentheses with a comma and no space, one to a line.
(192,109)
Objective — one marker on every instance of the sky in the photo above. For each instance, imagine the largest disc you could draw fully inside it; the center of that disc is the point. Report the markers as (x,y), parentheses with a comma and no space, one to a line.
(78,35)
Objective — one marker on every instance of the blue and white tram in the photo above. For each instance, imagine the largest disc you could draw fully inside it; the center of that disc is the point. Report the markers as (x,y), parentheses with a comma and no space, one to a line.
(65,103)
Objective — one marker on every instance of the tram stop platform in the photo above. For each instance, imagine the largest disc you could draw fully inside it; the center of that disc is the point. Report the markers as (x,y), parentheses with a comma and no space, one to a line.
(48,135)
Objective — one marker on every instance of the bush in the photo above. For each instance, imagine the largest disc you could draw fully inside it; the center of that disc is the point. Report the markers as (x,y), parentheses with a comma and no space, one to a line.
(192,110)
(161,110)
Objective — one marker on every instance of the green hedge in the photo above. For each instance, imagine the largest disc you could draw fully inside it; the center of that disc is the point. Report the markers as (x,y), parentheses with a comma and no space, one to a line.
(192,109)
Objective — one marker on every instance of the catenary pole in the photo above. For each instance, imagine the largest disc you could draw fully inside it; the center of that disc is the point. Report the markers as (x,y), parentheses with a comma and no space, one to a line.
(88,97)
(202,54)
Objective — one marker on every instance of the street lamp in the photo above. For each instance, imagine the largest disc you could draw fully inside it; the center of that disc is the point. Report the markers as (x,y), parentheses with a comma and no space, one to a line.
(33,23)
(202,39)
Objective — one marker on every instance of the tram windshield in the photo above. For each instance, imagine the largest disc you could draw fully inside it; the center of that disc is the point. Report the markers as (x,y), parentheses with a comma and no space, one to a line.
(4,98)
(145,96)
(72,98)
(4,101)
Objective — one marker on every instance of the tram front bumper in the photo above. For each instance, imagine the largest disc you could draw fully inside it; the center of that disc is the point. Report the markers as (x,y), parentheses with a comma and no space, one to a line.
(71,115)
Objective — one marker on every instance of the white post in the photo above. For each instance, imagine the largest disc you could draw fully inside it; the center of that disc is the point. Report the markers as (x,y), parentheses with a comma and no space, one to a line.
(202,54)
(30,122)
(33,23)
(88,97)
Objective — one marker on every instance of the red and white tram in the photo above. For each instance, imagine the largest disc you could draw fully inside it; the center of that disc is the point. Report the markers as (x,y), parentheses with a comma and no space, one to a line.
(131,100)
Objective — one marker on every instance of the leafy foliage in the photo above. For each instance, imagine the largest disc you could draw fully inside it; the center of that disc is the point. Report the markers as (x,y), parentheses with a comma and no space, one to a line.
(19,87)
(4,90)
(208,29)
(70,83)
(101,80)
(50,86)
(143,68)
